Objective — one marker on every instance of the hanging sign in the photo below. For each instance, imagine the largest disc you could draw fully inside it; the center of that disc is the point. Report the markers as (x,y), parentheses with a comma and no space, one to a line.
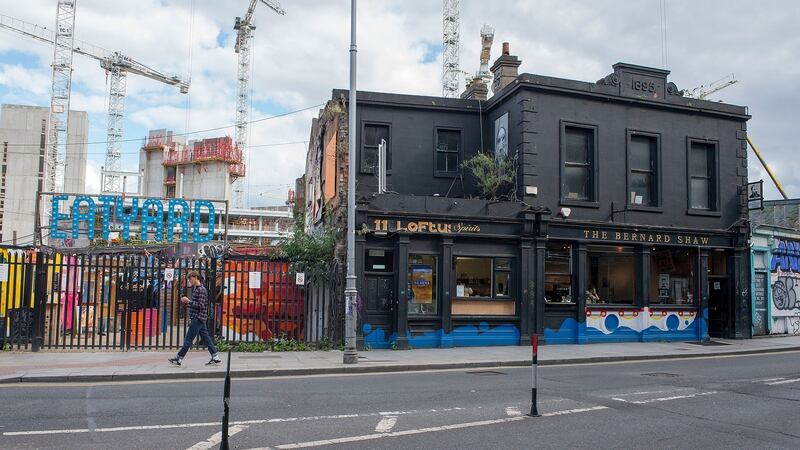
(3,272)
(169,274)
(300,278)
(755,195)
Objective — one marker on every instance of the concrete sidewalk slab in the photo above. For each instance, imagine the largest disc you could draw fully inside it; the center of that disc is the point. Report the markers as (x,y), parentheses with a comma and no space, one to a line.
(62,367)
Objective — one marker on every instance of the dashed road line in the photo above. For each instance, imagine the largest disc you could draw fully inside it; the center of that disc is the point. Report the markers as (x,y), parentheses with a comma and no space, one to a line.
(215,440)
(782,381)
(386,424)
(457,426)
(663,399)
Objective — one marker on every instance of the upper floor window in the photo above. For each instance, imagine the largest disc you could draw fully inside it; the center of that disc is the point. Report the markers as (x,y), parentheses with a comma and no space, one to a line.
(448,148)
(370,140)
(579,156)
(643,182)
(702,176)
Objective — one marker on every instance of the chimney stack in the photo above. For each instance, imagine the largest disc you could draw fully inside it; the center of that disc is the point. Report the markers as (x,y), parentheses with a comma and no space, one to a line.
(477,89)
(504,70)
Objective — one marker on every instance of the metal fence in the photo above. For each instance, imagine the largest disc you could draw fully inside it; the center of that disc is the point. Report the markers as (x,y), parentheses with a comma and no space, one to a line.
(132,301)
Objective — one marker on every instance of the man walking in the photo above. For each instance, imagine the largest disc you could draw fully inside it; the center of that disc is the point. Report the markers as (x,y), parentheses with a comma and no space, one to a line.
(198,314)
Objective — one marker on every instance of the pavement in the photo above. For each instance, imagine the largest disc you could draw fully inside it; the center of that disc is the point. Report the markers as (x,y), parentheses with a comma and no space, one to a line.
(94,366)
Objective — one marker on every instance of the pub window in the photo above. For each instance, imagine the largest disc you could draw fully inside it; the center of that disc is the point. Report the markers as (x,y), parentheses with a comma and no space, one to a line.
(610,275)
(558,273)
(643,165)
(422,284)
(448,147)
(702,176)
(372,136)
(378,260)
(578,152)
(672,276)
(483,286)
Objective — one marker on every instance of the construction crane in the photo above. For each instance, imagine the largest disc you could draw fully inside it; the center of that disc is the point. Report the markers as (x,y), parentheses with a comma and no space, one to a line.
(487,38)
(451,40)
(703,91)
(244,27)
(117,65)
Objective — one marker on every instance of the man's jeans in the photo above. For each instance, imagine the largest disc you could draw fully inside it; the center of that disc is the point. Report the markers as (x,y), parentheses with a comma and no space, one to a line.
(195,328)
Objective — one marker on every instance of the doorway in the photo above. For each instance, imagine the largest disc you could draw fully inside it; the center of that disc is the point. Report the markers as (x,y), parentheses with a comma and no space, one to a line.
(379,298)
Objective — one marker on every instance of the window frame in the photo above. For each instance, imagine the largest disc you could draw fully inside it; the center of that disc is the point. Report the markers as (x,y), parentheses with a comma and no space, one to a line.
(656,172)
(362,146)
(493,270)
(591,249)
(593,201)
(694,278)
(570,272)
(713,172)
(459,153)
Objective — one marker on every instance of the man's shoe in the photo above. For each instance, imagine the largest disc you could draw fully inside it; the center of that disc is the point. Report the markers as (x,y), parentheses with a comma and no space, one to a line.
(175,361)
(214,360)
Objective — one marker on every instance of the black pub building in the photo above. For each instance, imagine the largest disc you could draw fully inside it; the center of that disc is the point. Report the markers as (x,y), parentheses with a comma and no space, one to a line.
(626,217)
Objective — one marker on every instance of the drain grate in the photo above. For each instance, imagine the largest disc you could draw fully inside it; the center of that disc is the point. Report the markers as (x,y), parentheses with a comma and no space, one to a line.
(485,372)
(661,374)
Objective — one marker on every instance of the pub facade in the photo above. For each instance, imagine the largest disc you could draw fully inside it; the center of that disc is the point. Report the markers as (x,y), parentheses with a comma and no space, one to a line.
(626,219)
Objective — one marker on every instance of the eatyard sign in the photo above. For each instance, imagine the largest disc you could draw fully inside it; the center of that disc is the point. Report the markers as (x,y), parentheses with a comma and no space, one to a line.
(151,215)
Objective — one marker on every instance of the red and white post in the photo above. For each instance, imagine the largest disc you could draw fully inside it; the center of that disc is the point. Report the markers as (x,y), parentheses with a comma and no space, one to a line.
(534,376)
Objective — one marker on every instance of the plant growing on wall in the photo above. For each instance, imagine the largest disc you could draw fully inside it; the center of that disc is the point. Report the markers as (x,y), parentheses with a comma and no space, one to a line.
(308,251)
(493,176)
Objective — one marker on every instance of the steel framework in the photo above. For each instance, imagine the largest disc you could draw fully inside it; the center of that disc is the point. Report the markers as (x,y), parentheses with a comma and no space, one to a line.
(451,71)
(115,63)
(244,39)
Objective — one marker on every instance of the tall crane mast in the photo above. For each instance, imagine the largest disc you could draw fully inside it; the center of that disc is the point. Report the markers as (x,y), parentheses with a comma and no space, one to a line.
(57,125)
(244,27)
(115,63)
(451,40)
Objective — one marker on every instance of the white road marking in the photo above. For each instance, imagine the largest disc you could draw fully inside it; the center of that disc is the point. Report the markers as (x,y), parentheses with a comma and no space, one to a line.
(214,424)
(214,440)
(386,424)
(513,411)
(574,411)
(663,399)
(367,437)
(769,379)
(791,380)
(622,394)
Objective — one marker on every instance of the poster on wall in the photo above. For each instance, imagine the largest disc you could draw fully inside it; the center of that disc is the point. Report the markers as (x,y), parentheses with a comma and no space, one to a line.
(422,283)
(501,137)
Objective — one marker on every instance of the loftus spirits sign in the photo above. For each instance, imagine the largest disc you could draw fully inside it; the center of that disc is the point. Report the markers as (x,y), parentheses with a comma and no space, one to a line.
(423,226)
(161,220)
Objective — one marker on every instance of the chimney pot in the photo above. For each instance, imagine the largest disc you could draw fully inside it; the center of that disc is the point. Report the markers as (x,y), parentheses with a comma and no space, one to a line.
(506,50)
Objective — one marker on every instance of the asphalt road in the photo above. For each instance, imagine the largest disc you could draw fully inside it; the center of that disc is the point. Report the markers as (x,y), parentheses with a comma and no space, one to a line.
(723,402)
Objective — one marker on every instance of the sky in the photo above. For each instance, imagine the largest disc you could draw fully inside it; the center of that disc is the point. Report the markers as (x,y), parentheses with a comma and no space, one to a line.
(300,57)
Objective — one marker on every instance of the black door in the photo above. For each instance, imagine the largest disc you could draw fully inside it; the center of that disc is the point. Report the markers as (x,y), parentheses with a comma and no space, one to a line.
(380,298)
(718,306)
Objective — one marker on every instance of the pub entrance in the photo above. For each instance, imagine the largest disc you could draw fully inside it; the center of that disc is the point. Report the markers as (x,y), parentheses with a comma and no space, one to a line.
(380,294)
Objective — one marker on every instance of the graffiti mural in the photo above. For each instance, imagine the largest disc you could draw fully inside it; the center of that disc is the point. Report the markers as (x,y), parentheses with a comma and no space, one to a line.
(464,336)
(647,324)
(785,278)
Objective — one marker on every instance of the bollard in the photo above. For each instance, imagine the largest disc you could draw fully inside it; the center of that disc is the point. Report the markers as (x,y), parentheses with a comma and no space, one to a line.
(226,400)
(534,378)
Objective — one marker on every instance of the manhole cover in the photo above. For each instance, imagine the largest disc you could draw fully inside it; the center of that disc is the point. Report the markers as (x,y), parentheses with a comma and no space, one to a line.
(485,372)
(661,374)
(708,343)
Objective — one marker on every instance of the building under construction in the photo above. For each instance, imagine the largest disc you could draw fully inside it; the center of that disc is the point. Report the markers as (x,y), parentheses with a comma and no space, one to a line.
(207,168)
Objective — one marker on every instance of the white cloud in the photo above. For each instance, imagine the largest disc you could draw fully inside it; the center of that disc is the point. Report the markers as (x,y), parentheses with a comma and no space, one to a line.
(300,57)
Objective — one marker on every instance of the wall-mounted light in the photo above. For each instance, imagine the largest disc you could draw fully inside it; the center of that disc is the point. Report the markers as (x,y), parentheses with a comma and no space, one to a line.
(565,212)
